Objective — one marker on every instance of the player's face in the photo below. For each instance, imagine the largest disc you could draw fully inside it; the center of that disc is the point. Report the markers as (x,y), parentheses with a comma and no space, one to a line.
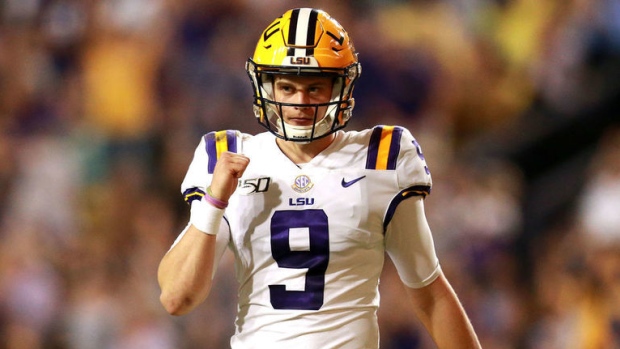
(302,90)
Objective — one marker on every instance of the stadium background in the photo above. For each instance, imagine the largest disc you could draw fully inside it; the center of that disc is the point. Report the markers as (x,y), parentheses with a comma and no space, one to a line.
(515,103)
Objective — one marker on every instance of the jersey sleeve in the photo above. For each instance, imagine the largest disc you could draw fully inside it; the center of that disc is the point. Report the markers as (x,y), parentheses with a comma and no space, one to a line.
(412,171)
(200,171)
(393,148)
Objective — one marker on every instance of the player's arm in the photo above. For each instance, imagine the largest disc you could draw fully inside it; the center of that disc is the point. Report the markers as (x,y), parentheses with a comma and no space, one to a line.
(438,308)
(409,244)
(185,273)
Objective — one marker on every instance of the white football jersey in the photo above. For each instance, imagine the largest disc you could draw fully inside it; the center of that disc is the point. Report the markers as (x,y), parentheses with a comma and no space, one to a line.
(310,240)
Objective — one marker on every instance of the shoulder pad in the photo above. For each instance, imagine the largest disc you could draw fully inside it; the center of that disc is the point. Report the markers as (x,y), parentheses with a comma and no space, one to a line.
(383,148)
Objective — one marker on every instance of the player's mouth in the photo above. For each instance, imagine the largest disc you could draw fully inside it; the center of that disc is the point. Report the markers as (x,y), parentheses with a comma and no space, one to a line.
(300,121)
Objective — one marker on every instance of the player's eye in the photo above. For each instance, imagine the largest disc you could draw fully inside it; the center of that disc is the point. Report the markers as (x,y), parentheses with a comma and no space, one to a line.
(285,88)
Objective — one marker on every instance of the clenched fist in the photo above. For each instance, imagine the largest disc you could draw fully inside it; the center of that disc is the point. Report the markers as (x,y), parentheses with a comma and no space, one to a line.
(228,169)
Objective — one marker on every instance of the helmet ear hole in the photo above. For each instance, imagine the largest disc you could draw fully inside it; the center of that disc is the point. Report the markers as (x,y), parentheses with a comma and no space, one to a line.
(267,85)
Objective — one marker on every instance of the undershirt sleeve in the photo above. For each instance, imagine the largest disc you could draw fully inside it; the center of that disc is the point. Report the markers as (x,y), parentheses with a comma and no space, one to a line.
(410,246)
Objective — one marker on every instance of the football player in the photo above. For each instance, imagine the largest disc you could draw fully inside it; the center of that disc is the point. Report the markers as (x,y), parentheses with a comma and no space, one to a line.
(310,213)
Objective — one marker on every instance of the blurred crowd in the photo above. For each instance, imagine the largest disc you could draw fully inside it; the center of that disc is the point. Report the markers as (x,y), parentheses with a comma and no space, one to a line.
(102,103)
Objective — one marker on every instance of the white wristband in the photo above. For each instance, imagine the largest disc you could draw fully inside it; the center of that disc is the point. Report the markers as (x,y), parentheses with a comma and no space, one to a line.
(206,217)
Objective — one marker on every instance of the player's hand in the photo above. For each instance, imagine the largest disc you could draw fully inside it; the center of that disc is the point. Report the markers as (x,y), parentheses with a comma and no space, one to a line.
(228,169)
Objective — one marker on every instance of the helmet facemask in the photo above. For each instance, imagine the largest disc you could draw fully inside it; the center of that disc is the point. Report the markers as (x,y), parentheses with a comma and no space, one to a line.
(268,111)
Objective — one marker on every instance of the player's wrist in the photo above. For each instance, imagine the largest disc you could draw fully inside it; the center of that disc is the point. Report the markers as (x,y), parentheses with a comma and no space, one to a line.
(205,216)
(210,198)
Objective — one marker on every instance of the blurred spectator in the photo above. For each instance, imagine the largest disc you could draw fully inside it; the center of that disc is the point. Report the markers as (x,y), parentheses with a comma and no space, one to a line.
(30,288)
(560,295)
(598,208)
(600,229)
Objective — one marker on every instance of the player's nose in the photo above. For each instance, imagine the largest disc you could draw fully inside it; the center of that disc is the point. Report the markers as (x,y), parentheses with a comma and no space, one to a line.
(302,97)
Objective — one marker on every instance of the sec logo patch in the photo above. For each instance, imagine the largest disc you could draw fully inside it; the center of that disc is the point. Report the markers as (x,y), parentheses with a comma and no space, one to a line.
(302,184)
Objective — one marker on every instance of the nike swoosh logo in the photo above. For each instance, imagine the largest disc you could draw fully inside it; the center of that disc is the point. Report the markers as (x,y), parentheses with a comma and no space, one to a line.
(346,184)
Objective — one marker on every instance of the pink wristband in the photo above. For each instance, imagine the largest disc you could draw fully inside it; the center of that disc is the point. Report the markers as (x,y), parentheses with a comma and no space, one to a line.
(213,201)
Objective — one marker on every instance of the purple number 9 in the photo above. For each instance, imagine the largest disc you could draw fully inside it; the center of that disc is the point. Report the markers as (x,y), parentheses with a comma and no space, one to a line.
(315,258)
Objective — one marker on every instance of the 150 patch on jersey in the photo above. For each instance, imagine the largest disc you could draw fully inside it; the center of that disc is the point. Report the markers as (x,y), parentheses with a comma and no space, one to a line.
(253,185)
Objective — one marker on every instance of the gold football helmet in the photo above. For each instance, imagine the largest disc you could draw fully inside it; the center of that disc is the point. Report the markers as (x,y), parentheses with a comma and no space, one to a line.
(304,42)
